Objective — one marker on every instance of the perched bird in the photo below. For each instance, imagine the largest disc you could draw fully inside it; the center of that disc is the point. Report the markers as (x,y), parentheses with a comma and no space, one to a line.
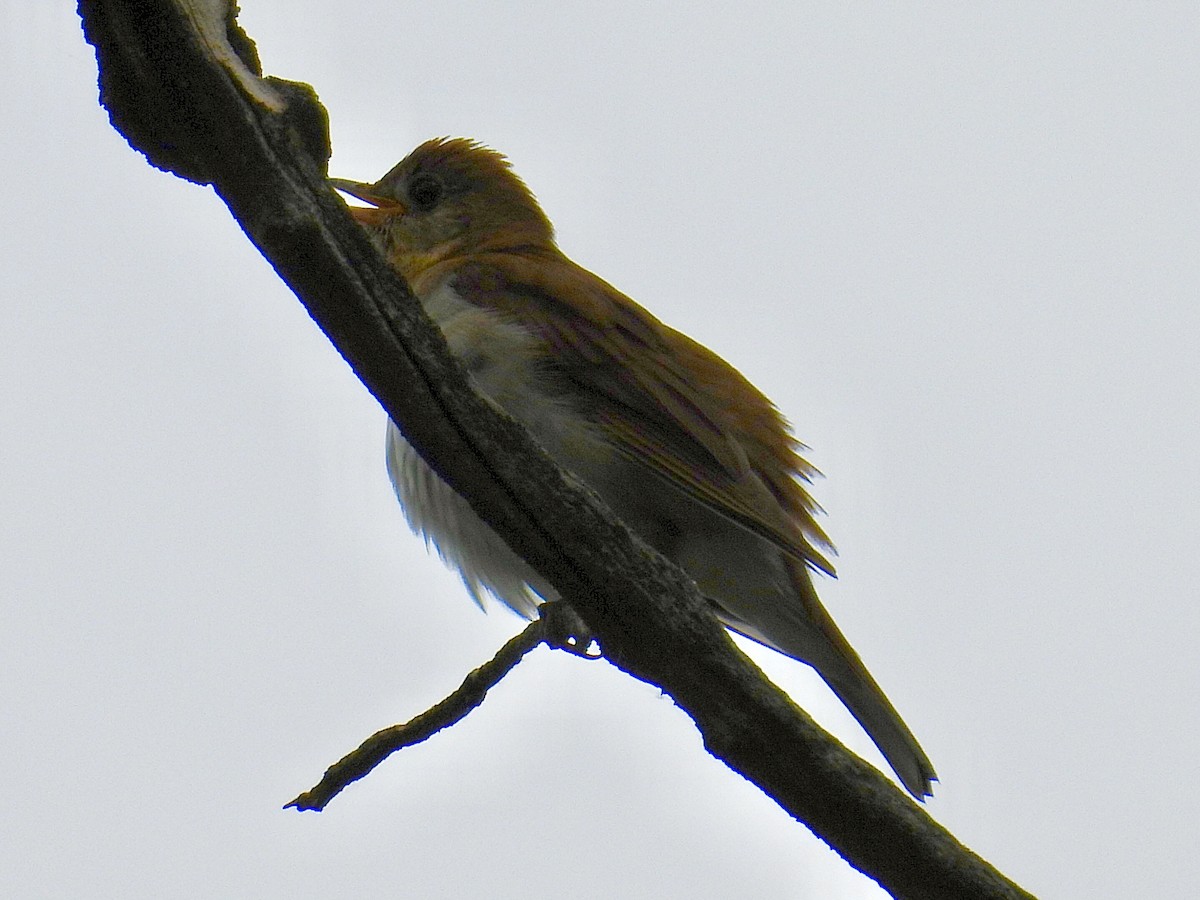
(681,446)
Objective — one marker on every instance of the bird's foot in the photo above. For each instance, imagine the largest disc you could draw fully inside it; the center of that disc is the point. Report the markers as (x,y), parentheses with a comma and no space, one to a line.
(565,630)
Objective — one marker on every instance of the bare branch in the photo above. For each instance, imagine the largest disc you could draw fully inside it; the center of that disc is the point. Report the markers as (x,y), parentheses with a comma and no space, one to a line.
(383,743)
(555,626)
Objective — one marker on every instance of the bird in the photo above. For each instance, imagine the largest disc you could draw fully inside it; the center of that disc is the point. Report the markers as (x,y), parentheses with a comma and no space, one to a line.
(680,445)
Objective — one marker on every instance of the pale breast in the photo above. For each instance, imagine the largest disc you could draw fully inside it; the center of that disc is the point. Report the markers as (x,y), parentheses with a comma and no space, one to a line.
(502,359)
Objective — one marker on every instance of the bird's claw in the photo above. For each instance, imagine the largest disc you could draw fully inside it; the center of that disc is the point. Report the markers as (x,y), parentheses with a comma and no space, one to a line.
(565,630)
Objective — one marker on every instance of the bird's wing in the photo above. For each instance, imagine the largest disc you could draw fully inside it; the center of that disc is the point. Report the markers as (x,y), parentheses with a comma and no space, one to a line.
(666,402)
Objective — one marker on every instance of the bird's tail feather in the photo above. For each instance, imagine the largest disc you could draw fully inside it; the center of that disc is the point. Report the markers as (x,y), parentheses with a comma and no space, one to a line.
(820,643)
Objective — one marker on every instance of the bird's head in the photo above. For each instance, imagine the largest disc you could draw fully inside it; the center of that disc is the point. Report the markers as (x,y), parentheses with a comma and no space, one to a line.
(449,196)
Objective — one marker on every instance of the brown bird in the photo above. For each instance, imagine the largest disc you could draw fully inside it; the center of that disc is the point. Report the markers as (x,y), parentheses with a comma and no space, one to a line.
(681,446)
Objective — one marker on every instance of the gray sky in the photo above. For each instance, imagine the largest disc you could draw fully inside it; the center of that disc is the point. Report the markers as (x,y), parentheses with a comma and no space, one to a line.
(957,245)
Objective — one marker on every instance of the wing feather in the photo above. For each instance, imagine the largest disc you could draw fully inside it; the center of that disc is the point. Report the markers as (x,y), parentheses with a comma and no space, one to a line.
(666,402)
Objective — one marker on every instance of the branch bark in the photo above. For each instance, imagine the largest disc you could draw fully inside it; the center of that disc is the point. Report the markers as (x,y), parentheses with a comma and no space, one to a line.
(182,83)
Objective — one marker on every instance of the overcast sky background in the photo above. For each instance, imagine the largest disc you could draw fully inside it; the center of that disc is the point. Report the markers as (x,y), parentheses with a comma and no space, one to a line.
(959,246)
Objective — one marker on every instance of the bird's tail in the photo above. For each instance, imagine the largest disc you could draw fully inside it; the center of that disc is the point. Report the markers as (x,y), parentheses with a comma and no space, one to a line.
(871,707)
(820,643)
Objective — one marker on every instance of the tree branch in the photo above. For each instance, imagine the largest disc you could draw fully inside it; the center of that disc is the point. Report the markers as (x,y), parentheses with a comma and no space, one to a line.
(359,762)
(181,82)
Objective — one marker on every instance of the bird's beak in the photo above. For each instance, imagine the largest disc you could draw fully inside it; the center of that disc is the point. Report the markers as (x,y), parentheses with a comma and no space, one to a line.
(381,209)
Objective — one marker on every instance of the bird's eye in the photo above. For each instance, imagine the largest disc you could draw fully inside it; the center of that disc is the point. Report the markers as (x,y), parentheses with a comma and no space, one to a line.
(425,191)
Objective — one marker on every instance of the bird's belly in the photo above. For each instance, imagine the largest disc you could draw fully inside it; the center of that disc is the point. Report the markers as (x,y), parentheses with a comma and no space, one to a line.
(503,360)
(463,540)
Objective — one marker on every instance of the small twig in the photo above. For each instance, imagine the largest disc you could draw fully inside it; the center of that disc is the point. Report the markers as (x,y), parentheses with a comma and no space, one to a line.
(382,744)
